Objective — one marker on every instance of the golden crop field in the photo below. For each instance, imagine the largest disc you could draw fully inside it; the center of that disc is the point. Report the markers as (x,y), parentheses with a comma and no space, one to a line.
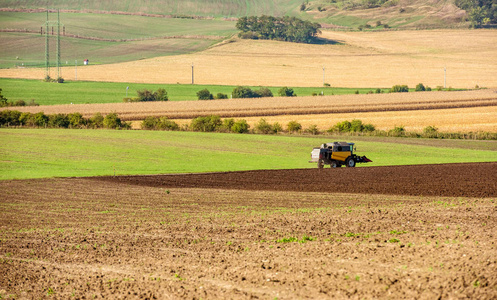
(474,119)
(360,59)
(461,111)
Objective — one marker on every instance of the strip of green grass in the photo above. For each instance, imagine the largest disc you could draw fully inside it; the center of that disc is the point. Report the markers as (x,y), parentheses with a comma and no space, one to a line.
(111,26)
(218,8)
(126,38)
(82,92)
(40,153)
(25,50)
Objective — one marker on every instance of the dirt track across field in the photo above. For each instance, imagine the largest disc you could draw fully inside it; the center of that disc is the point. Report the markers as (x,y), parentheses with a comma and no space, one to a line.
(451,180)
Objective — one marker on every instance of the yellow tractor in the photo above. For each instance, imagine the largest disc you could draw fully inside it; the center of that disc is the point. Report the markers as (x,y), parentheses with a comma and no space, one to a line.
(336,154)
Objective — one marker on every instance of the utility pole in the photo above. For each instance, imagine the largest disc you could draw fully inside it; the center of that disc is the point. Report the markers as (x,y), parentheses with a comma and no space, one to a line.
(192,75)
(324,69)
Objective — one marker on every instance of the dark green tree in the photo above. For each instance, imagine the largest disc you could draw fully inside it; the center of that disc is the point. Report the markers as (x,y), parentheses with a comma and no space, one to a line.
(161,95)
(204,95)
(221,96)
(420,87)
(264,92)
(10,118)
(243,92)
(399,89)
(286,92)
(294,126)
(97,121)
(76,120)
(264,127)
(480,12)
(206,124)
(39,120)
(240,126)
(284,29)
(146,95)
(112,121)
(3,100)
(58,121)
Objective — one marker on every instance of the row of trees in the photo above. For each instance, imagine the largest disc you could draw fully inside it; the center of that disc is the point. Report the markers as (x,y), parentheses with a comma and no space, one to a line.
(355,127)
(211,123)
(147,95)
(246,92)
(14,118)
(419,88)
(286,28)
(214,123)
(352,126)
(238,92)
(481,12)
(205,94)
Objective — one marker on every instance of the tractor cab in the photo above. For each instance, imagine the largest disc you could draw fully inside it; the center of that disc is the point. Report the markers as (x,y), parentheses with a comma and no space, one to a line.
(339,150)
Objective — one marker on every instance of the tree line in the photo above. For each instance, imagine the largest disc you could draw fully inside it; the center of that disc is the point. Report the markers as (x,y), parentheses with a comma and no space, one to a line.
(481,12)
(214,123)
(290,29)
(14,118)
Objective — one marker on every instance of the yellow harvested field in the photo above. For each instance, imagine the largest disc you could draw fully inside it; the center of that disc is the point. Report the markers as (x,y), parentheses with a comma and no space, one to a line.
(361,59)
(474,119)
(462,111)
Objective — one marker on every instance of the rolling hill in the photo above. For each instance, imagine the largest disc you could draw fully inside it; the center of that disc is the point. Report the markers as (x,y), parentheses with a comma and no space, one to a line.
(119,31)
(338,13)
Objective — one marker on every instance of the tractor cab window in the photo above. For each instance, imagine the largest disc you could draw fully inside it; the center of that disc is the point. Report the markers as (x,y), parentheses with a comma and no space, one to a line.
(340,148)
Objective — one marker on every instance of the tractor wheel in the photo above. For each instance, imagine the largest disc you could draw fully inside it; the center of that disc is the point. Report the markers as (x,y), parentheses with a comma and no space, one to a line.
(320,164)
(335,164)
(350,162)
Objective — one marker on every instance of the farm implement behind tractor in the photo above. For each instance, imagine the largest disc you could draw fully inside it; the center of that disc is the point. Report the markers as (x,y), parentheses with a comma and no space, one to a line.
(336,154)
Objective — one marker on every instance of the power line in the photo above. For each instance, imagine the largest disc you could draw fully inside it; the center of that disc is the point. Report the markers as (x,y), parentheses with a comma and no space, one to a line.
(47,24)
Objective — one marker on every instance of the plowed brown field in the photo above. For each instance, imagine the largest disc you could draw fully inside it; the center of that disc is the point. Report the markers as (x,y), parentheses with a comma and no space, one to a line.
(423,232)
(451,180)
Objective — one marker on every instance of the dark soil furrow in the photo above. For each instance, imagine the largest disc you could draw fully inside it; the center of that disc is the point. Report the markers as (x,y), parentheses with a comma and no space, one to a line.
(451,180)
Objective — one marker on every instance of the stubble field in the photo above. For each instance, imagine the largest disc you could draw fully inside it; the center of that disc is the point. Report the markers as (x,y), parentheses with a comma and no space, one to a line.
(230,236)
(360,59)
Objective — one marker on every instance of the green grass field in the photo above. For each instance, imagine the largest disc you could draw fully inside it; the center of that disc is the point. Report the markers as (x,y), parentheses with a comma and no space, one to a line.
(108,38)
(40,153)
(214,8)
(27,50)
(81,92)
(109,26)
